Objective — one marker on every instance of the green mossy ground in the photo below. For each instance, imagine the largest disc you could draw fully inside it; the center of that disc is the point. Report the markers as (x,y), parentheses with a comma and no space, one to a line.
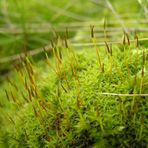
(59,103)
(69,109)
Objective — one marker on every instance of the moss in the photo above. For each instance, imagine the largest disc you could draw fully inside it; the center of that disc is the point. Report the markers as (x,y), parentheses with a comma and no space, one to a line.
(69,109)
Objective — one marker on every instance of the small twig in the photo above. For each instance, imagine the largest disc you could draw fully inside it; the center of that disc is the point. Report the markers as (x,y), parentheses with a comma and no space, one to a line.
(29,53)
(102,43)
(124,95)
(49,29)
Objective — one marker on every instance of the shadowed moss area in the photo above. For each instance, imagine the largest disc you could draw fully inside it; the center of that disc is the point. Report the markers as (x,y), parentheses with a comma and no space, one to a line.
(62,104)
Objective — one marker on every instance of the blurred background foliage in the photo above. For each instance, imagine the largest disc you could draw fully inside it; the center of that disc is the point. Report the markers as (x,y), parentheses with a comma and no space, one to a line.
(27,25)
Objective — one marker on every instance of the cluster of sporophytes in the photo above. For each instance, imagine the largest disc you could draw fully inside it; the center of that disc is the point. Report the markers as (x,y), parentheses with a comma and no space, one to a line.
(92,98)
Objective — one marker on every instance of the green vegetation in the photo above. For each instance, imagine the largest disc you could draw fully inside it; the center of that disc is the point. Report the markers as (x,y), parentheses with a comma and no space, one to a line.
(67,107)
(87,87)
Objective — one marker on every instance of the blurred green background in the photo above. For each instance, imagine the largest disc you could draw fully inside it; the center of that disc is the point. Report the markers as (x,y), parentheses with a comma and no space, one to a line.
(28,25)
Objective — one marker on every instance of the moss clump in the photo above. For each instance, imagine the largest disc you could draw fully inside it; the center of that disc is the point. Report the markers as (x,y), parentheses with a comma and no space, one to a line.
(67,108)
